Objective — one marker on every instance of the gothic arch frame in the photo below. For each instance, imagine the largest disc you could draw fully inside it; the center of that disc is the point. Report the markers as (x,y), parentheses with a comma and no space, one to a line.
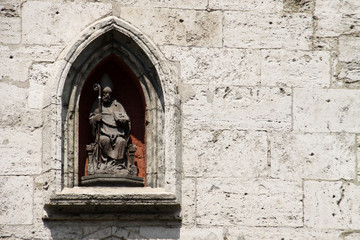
(113,36)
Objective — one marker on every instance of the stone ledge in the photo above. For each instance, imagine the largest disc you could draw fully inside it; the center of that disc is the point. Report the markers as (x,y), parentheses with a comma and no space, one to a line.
(105,203)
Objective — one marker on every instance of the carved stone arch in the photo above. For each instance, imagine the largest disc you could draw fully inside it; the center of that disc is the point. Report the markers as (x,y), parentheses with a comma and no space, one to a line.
(106,38)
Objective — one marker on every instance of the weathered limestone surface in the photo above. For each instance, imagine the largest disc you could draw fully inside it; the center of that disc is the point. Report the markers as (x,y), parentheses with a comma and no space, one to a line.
(262,30)
(336,17)
(294,6)
(38,76)
(274,6)
(263,136)
(16,61)
(333,110)
(15,113)
(51,23)
(331,205)
(16,200)
(295,156)
(180,27)
(348,68)
(10,30)
(325,43)
(20,151)
(247,108)
(10,8)
(216,65)
(249,203)
(295,68)
(276,233)
(184,4)
(24,232)
(10,22)
(358,152)
(224,153)
(188,201)
(351,236)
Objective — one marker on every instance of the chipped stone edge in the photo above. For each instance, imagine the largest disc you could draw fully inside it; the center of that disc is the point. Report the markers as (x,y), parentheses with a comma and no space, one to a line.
(130,204)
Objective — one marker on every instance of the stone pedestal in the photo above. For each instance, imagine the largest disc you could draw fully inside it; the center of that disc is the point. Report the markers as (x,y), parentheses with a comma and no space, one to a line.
(112,180)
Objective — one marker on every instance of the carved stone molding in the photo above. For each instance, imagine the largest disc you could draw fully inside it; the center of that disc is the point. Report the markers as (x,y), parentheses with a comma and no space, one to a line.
(104,203)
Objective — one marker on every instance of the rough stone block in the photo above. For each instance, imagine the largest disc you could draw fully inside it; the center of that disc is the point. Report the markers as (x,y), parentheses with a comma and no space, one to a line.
(16,200)
(358,153)
(351,236)
(15,102)
(349,66)
(14,67)
(184,4)
(20,151)
(195,233)
(325,43)
(10,30)
(331,205)
(38,76)
(326,110)
(24,232)
(63,21)
(249,203)
(294,6)
(281,233)
(295,68)
(14,109)
(261,30)
(216,65)
(180,27)
(10,8)
(243,108)
(211,152)
(273,6)
(348,75)
(295,156)
(336,17)
(10,22)
(349,48)
(188,201)
(16,61)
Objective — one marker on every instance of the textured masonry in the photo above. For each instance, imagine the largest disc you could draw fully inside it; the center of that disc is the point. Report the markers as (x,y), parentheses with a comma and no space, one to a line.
(263,141)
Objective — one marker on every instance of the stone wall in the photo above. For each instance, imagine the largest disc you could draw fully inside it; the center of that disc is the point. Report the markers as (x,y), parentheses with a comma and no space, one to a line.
(269,134)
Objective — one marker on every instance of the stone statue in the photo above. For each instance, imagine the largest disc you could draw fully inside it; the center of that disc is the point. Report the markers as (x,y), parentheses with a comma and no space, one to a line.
(109,155)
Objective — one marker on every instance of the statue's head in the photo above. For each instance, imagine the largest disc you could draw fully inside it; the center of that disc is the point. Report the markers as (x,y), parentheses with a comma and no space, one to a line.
(107,95)
(107,87)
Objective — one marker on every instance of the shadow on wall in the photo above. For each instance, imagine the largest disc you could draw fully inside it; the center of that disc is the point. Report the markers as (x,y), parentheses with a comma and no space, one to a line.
(105,230)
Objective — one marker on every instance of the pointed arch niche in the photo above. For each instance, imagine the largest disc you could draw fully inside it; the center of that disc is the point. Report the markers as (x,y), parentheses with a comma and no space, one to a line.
(137,87)
(141,80)
(146,86)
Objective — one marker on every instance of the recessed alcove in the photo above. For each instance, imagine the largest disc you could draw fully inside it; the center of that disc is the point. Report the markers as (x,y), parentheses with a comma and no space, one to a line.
(146,88)
(128,92)
(137,87)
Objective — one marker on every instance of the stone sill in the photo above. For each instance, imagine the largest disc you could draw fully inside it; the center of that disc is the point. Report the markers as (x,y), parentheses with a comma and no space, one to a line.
(111,203)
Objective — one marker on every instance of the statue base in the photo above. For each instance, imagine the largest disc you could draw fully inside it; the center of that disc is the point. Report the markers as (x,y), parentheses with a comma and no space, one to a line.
(111,180)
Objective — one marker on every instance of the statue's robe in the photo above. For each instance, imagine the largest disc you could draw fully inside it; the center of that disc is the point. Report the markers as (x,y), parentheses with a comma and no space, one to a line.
(114,130)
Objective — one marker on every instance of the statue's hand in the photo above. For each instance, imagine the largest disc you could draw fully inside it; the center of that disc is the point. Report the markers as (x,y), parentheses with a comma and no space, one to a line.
(97,117)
